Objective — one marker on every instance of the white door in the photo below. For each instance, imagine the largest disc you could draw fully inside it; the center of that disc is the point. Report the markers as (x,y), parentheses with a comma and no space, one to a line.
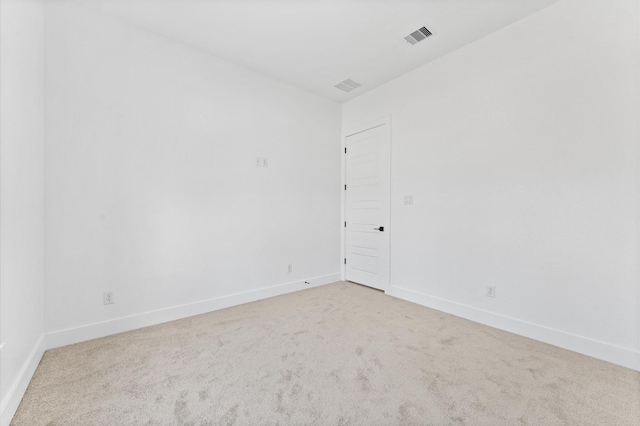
(367,207)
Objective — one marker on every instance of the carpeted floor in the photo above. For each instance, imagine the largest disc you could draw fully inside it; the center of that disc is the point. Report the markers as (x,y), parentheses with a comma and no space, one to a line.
(340,354)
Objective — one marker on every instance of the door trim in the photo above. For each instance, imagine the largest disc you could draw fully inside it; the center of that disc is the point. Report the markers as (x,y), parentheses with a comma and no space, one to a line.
(350,131)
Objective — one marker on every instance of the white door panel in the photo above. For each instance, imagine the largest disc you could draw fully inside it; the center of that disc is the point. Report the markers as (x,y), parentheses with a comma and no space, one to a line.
(367,168)
(365,263)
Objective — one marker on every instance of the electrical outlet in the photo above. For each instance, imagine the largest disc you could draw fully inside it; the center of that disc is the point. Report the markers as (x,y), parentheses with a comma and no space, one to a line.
(289,268)
(258,161)
(108,298)
(265,162)
(408,200)
(491,291)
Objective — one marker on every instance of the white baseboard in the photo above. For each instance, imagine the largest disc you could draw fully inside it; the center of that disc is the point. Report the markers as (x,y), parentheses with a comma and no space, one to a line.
(118,325)
(12,400)
(583,345)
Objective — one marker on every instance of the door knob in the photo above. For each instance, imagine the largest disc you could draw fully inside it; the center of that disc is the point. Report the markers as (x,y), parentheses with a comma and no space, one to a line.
(381,229)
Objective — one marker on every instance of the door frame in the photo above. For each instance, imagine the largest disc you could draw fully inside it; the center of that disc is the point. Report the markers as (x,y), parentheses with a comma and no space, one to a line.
(350,131)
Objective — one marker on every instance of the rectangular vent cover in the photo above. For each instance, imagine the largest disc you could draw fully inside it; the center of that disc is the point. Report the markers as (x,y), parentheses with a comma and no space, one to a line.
(348,85)
(418,35)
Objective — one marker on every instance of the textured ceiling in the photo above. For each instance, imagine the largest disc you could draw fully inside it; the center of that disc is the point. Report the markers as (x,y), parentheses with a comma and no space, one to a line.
(314,44)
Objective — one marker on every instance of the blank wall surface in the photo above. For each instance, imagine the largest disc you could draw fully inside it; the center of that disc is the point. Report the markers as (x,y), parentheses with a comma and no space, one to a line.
(151,185)
(521,153)
(21,195)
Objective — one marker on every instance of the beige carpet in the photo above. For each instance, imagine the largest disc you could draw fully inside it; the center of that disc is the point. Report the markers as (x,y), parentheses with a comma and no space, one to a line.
(340,354)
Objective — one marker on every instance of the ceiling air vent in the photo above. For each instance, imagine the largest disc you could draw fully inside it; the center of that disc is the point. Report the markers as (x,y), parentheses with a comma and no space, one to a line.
(348,85)
(418,35)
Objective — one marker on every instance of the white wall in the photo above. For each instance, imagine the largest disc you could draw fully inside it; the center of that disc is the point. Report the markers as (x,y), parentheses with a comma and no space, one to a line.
(21,197)
(151,187)
(521,152)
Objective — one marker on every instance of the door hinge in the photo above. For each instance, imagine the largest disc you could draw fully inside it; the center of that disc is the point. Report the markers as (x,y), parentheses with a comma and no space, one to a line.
(345,187)
(345,260)
(345,150)
(345,224)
